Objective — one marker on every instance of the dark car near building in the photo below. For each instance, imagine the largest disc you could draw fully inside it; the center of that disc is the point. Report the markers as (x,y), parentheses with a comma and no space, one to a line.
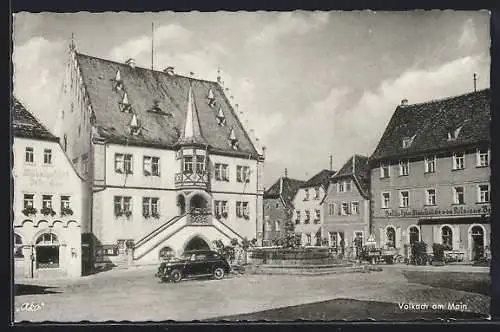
(196,263)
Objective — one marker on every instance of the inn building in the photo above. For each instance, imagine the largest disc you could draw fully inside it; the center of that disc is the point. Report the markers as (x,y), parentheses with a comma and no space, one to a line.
(167,162)
(279,208)
(346,205)
(47,196)
(309,213)
(430,176)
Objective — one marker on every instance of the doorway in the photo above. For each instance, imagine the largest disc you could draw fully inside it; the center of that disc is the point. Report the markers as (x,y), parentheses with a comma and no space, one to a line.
(197,243)
(477,235)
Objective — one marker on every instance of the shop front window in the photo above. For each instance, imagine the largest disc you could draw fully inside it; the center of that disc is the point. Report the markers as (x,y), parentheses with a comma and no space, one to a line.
(47,251)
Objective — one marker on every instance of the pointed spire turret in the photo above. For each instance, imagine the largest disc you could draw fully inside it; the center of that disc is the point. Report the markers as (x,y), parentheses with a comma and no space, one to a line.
(134,122)
(192,129)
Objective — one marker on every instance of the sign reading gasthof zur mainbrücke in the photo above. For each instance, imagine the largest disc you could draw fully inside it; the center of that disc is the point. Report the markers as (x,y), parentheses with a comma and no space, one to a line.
(458,211)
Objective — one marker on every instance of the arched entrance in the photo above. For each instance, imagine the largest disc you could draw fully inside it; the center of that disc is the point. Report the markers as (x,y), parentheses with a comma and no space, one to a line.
(414,234)
(181,204)
(47,251)
(477,236)
(198,202)
(196,243)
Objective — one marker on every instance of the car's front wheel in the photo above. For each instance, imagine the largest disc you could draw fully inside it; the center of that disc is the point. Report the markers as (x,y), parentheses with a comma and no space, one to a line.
(219,273)
(175,275)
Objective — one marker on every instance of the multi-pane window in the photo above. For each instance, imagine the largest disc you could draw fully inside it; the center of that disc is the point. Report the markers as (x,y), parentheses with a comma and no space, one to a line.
(64,202)
(386,200)
(150,206)
(404,167)
(85,164)
(28,201)
(348,185)
(404,199)
(123,163)
(483,157)
(47,201)
(151,166)
(316,193)
(447,237)
(242,173)
(308,216)
(341,187)
(458,161)
(47,156)
(430,164)
(430,197)
(414,234)
(122,205)
(331,209)
(306,193)
(29,155)
(484,193)
(355,207)
(220,208)
(384,170)
(188,164)
(200,164)
(317,214)
(458,195)
(308,239)
(221,172)
(242,209)
(297,216)
(345,208)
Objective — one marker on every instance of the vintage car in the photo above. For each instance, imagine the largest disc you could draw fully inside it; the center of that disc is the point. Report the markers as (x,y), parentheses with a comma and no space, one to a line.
(194,263)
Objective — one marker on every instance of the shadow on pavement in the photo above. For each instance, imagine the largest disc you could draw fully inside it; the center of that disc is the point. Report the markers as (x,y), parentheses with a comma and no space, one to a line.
(350,310)
(479,283)
(23,289)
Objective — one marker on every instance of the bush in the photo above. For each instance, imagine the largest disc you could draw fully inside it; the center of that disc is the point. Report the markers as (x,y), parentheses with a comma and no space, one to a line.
(438,251)
(419,250)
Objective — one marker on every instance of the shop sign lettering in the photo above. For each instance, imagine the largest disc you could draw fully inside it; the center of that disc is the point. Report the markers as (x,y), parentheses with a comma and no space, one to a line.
(455,211)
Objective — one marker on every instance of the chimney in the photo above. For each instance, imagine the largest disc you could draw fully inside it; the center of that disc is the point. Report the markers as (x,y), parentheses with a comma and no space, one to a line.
(286,172)
(130,62)
(169,71)
(404,102)
(331,163)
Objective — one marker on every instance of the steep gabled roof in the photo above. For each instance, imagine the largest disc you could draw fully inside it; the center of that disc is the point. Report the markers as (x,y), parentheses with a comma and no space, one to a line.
(428,125)
(24,124)
(289,188)
(356,167)
(320,179)
(170,94)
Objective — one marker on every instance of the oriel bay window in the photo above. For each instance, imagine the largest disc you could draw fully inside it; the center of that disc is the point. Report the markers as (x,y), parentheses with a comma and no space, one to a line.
(122,205)
(150,207)
(151,166)
(200,164)
(188,165)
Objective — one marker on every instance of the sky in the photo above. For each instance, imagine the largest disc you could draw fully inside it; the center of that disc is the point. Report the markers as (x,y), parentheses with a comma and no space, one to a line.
(310,84)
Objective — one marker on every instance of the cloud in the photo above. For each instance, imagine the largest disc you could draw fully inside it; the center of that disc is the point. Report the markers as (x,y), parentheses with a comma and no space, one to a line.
(468,39)
(139,47)
(289,23)
(38,75)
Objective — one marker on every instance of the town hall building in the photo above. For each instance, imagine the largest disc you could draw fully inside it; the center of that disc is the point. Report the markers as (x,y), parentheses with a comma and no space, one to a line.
(167,162)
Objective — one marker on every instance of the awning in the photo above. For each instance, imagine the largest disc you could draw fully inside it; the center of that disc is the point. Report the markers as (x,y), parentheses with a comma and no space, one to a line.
(455,221)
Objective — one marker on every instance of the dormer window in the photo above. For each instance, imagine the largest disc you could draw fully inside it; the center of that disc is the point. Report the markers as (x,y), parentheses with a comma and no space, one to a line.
(221,119)
(454,132)
(135,128)
(125,105)
(211,98)
(118,83)
(233,140)
(407,141)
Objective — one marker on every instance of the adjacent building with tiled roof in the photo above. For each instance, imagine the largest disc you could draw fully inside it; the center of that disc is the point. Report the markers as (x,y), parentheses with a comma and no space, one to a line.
(346,207)
(278,207)
(47,202)
(307,203)
(430,176)
(169,163)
